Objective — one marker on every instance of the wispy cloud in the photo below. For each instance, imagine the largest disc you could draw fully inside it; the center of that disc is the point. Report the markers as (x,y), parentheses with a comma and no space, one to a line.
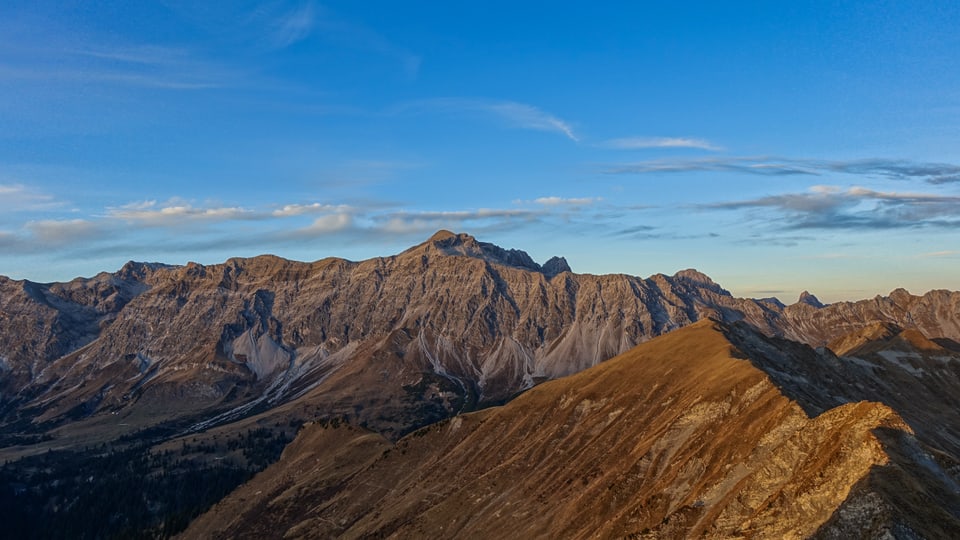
(130,65)
(637,232)
(61,232)
(640,143)
(292,25)
(428,221)
(290,210)
(175,213)
(360,37)
(283,23)
(828,207)
(565,201)
(512,113)
(932,173)
(530,117)
(18,197)
(758,166)
(330,223)
(941,254)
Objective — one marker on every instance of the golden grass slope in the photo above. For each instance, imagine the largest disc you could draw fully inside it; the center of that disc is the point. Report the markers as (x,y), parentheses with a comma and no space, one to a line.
(678,437)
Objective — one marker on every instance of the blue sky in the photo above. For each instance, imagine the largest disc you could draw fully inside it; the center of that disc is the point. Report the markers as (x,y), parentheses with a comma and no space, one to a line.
(775,147)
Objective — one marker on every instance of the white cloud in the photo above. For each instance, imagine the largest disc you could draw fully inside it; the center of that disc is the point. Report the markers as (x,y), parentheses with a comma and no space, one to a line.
(514,114)
(530,117)
(561,201)
(638,143)
(426,222)
(17,197)
(175,213)
(60,232)
(330,224)
(314,208)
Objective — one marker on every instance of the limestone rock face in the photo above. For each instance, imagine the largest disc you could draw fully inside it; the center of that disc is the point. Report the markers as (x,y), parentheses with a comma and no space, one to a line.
(393,343)
(681,437)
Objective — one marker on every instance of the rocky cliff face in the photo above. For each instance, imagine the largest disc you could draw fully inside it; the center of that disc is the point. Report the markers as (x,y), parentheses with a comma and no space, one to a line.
(680,437)
(197,359)
(393,342)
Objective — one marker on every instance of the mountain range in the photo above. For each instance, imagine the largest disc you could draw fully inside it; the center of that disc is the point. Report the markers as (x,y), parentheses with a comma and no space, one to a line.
(396,351)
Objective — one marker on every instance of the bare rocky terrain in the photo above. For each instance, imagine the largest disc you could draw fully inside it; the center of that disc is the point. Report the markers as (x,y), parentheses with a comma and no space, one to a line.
(448,325)
(184,359)
(684,436)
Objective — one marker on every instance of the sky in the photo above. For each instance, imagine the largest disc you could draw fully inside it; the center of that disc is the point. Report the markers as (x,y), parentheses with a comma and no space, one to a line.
(775,146)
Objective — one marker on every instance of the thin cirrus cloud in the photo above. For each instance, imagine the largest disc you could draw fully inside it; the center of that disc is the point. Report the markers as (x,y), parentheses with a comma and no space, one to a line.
(566,201)
(931,173)
(179,226)
(290,223)
(641,143)
(178,213)
(282,24)
(291,25)
(428,221)
(60,232)
(291,210)
(18,197)
(70,61)
(856,208)
(757,166)
(511,113)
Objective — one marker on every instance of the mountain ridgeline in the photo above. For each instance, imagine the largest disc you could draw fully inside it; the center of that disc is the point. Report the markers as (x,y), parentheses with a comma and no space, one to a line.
(197,369)
(450,324)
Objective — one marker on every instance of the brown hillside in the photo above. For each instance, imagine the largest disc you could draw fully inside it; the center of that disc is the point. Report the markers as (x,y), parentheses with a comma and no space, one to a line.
(678,437)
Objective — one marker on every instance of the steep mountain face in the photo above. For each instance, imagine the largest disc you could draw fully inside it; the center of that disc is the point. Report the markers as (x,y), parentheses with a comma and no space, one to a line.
(443,327)
(207,371)
(42,322)
(684,436)
(393,343)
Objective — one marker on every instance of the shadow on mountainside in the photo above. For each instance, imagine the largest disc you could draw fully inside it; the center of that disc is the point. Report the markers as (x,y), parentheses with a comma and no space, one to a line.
(818,380)
(910,497)
(916,494)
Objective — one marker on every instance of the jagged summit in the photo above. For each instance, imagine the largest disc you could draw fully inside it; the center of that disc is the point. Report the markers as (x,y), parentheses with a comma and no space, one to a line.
(555,265)
(441,235)
(463,244)
(773,300)
(811,300)
(699,278)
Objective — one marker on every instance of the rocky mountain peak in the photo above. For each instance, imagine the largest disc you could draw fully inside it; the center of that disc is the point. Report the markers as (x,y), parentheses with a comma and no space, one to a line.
(811,300)
(441,235)
(697,277)
(772,300)
(555,265)
(449,243)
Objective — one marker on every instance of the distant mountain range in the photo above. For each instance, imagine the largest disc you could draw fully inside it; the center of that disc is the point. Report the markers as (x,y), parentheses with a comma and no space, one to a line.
(160,354)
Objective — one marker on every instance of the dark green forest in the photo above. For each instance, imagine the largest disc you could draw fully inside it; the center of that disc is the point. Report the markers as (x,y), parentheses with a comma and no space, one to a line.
(129,489)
